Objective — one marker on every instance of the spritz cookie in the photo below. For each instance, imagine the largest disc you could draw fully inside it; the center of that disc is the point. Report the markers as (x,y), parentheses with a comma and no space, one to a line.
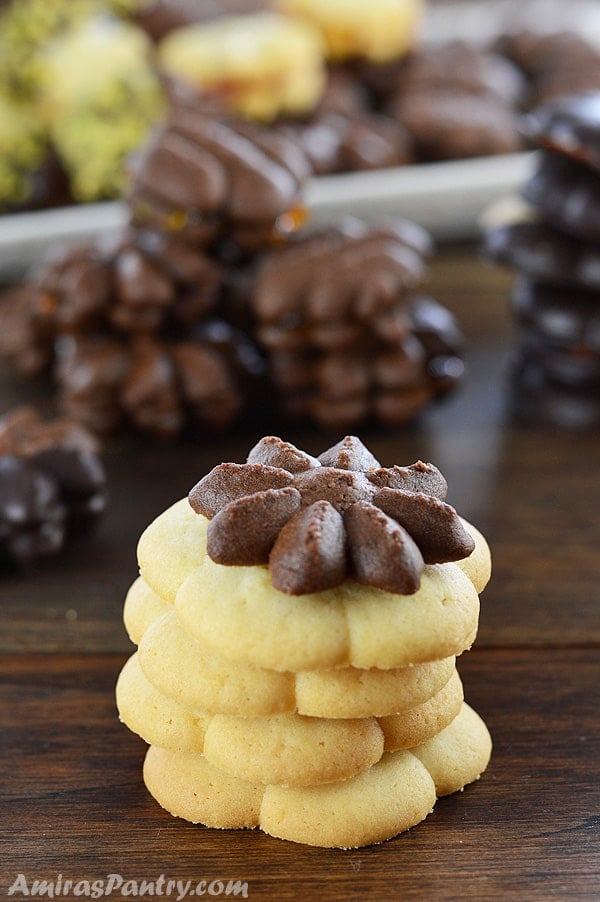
(183,669)
(287,749)
(171,548)
(380,30)
(259,66)
(142,608)
(394,795)
(238,613)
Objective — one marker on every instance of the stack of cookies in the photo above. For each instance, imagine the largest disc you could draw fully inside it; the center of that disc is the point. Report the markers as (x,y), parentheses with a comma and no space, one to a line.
(554,244)
(134,327)
(349,336)
(298,621)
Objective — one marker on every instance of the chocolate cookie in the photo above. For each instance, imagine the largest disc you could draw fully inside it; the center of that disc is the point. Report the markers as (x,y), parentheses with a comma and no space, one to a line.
(346,339)
(51,483)
(23,339)
(141,281)
(570,126)
(156,385)
(343,142)
(565,82)
(446,125)
(537,397)
(544,254)
(89,373)
(559,316)
(462,68)
(539,52)
(202,177)
(566,194)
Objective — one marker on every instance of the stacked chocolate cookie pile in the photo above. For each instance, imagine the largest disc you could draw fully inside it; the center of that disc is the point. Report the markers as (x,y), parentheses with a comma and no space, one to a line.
(134,327)
(348,335)
(555,247)
(297,634)
(214,300)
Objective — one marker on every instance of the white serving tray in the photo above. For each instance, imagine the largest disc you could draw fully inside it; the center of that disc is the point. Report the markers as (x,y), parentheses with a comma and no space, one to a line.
(446,198)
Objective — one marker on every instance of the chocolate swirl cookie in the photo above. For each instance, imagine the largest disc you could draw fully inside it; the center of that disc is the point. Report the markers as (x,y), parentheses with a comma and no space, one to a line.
(204,177)
(141,281)
(157,385)
(570,126)
(317,521)
(346,338)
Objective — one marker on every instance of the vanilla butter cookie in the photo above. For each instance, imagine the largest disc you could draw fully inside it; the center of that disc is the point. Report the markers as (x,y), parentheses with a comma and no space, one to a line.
(336,561)
(237,612)
(174,544)
(141,609)
(189,787)
(293,750)
(158,720)
(355,692)
(395,794)
(187,672)
(183,669)
(380,30)
(171,548)
(288,749)
(478,565)
(459,754)
(416,725)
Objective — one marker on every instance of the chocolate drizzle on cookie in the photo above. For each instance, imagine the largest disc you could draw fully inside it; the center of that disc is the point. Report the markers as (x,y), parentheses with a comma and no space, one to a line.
(317,521)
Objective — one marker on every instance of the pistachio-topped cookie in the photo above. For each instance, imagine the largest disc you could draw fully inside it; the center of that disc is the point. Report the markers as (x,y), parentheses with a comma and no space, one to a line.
(99,97)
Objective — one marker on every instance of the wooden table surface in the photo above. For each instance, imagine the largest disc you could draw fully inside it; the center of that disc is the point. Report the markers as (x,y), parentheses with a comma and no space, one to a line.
(73,802)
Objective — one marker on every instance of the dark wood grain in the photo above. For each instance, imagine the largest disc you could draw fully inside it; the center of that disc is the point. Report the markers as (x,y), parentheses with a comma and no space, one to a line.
(73,800)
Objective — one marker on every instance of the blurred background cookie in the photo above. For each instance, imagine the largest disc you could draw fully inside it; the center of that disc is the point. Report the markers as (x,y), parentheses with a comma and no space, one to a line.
(280,63)
(380,30)
(205,177)
(99,97)
(348,338)
(553,245)
(260,66)
(52,485)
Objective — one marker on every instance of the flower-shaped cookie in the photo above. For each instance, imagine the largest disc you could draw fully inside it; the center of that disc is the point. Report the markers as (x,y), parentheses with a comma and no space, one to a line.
(317,521)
